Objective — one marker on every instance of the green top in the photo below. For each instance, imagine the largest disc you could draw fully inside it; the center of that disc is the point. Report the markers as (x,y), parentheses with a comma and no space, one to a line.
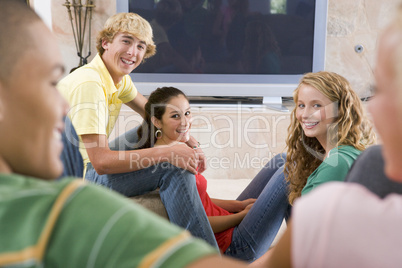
(334,168)
(95,227)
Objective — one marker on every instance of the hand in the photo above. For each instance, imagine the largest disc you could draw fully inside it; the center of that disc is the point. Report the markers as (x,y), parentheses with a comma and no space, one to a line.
(246,210)
(202,164)
(247,202)
(235,206)
(183,157)
(202,160)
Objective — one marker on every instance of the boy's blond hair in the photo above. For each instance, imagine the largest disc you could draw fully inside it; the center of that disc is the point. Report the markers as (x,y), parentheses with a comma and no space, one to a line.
(127,23)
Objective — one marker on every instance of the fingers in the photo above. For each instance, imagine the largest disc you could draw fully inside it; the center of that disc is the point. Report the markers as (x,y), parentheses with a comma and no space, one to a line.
(192,166)
(185,158)
(248,203)
(189,165)
(202,161)
(252,200)
(201,166)
(193,160)
(191,169)
(190,158)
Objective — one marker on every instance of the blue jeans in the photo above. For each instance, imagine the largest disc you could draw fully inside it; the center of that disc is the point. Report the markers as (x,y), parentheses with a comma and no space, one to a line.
(71,156)
(178,190)
(254,235)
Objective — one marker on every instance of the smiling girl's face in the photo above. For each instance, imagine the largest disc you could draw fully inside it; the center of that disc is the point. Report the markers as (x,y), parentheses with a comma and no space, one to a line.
(176,121)
(315,112)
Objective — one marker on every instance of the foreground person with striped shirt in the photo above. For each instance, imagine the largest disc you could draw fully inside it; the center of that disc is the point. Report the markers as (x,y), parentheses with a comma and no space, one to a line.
(65,223)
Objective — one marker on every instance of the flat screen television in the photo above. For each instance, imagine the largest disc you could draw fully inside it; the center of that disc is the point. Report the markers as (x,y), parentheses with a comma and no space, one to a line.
(231,49)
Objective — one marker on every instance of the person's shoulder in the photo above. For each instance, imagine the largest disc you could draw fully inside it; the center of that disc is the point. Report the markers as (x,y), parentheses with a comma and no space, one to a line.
(84,74)
(111,215)
(16,183)
(338,189)
(323,192)
(328,198)
(97,201)
(94,191)
(336,201)
(93,203)
(325,220)
(372,153)
(342,156)
(82,82)
(348,150)
(340,194)
(127,82)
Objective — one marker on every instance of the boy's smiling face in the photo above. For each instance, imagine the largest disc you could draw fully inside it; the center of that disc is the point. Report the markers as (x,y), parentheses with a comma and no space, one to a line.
(123,55)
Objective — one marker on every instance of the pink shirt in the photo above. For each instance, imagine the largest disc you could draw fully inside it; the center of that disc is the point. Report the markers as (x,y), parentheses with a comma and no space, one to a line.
(345,225)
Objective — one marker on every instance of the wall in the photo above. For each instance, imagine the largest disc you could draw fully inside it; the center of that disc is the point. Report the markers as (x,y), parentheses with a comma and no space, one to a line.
(237,141)
(63,31)
(351,23)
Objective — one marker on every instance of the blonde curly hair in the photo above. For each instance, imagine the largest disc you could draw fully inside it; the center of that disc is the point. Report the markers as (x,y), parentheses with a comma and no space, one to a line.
(130,23)
(350,127)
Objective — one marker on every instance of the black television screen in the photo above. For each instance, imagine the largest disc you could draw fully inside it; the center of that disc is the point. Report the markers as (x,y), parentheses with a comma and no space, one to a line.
(231,47)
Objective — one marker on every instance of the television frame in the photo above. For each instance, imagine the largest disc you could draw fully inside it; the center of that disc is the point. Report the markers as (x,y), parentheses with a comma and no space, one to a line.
(272,88)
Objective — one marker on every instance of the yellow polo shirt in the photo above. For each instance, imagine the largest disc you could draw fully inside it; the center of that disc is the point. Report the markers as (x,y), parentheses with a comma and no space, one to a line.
(94,99)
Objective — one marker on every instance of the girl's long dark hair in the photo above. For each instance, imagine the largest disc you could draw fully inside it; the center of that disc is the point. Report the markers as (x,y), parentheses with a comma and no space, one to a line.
(155,106)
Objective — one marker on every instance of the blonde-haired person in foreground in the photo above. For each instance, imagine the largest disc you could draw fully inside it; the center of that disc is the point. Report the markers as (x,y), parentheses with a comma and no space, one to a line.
(345,225)
(65,223)
(96,92)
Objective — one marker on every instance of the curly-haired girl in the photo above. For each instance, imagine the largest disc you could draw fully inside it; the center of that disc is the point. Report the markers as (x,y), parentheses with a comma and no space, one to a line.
(328,130)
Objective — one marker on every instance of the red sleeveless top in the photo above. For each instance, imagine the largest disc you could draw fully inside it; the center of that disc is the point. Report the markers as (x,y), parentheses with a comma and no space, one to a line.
(224,238)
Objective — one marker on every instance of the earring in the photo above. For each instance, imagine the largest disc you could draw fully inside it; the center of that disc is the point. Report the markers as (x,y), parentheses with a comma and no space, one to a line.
(158,134)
